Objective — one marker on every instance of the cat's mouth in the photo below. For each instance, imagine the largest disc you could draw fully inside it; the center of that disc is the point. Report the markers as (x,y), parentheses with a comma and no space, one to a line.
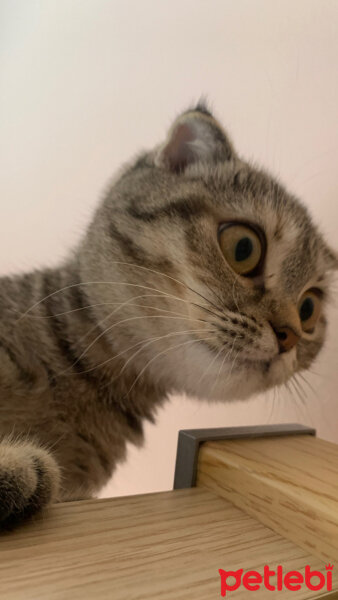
(275,371)
(260,363)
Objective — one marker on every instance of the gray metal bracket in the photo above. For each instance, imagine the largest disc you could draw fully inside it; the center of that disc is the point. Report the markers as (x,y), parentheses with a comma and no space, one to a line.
(189,441)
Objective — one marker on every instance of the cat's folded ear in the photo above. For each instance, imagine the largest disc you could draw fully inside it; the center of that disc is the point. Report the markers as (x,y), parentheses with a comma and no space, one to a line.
(194,137)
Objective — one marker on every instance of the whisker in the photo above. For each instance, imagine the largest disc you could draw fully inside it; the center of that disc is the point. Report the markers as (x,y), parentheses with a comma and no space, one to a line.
(292,382)
(125,303)
(144,344)
(120,283)
(164,352)
(213,359)
(233,364)
(272,405)
(73,310)
(292,397)
(85,283)
(211,312)
(308,383)
(128,302)
(229,354)
(162,295)
(235,280)
(101,321)
(168,277)
(306,404)
(119,307)
(156,340)
(183,318)
(301,392)
(220,369)
(287,387)
(213,292)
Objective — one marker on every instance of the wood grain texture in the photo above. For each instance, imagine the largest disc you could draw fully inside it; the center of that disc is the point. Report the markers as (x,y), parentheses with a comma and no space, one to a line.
(166,546)
(289,484)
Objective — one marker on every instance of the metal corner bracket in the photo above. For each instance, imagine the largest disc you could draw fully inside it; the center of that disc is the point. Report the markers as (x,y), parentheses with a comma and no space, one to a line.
(189,441)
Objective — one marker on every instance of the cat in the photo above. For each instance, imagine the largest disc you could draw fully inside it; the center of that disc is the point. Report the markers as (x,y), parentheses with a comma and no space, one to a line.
(199,273)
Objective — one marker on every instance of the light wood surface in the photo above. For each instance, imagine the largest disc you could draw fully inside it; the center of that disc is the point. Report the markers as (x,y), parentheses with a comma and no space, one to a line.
(166,546)
(290,484)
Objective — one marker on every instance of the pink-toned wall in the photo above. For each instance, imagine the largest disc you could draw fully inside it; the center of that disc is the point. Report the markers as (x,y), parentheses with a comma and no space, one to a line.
(87,83)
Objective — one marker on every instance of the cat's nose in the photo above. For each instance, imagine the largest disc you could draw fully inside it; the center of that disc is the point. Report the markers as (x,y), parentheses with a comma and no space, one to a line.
(287,338)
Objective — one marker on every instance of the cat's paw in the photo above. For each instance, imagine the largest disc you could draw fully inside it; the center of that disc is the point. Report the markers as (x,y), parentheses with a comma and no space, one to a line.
(29,480)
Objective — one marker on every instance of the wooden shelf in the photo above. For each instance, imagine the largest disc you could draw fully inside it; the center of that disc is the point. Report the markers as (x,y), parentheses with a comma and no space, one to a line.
(258,501)
(168,545)
(289,484)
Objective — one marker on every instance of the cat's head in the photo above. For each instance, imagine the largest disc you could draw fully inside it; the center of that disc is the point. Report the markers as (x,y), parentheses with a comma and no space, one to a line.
(223,274)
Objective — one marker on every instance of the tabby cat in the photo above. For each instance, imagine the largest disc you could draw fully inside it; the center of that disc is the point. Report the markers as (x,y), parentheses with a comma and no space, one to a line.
(199,274)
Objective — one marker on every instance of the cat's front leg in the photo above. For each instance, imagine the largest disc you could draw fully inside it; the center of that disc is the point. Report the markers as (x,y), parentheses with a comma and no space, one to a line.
(29,480)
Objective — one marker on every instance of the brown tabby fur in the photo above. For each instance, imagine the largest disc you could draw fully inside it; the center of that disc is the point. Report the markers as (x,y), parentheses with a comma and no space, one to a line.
(147,305)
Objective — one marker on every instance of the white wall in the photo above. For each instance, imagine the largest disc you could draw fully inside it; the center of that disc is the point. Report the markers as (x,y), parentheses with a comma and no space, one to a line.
(87,83)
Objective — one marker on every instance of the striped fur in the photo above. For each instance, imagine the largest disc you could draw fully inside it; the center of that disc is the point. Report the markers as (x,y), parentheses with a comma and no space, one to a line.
(145,306)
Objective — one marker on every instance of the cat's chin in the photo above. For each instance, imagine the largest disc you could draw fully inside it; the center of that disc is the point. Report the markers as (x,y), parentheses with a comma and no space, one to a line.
(251,377)
(265,375)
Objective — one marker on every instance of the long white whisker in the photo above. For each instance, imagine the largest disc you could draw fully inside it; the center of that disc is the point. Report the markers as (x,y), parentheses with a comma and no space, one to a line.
(99,323)
(127,321)
(229,354)
(86,283)
(213,359)
(168,277)
(220,369)
(233,364)
(164,352)
(161,295)
(80,308)
(143,343)
(156,340)
(136,285)
(129,301)
(213,292)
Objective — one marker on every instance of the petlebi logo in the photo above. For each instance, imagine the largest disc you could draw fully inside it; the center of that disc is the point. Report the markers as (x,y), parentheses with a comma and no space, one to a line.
(275,579)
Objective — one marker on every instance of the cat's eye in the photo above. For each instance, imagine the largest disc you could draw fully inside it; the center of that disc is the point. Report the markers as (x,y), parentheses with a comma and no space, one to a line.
(242,247)
(309,309)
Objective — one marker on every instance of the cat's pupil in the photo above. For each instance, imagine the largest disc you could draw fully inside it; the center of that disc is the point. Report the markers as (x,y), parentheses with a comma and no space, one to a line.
(244,248)
(306,310)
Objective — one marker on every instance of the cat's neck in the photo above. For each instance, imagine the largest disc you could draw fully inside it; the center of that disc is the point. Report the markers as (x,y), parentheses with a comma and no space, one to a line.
(57,309)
